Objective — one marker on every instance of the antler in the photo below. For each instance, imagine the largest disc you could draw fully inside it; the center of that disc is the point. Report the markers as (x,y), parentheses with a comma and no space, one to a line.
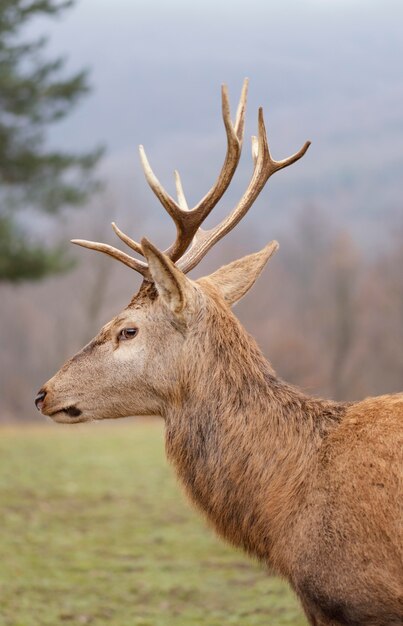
(264,167)
(188,221)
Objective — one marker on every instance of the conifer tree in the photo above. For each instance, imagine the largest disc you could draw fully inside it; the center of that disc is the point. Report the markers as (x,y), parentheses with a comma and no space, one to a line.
(34,93)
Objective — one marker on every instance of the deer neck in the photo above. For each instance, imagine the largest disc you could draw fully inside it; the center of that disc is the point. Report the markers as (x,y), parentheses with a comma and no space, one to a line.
(243,442)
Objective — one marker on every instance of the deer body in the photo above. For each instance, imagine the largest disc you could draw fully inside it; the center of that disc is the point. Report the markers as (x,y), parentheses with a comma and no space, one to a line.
(309,487)
(295,481)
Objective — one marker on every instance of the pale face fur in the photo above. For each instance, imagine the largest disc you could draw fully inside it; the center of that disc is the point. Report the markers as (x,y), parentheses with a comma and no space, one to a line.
(115,377)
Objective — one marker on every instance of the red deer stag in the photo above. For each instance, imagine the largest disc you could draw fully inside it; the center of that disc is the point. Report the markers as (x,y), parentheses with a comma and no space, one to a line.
(308,486)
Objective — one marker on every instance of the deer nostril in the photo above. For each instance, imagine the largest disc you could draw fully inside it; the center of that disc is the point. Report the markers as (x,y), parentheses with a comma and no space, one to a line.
(39,400)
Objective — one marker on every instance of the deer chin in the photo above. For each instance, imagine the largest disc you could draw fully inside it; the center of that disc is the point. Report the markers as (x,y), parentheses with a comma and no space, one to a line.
(62,418)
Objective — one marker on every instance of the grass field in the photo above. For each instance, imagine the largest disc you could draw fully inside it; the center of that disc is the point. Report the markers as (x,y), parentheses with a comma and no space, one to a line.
(95,530)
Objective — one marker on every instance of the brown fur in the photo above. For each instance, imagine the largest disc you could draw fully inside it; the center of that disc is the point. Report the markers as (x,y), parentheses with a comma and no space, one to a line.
(310,487)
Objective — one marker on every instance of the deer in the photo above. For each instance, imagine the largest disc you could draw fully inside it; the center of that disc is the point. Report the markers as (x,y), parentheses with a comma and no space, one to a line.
(309,487)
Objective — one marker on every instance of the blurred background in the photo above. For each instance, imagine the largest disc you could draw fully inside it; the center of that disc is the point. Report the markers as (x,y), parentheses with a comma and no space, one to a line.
(94,528)
(328,312)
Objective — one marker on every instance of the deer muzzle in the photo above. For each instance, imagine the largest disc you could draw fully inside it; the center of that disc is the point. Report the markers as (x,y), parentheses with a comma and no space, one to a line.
(40,402)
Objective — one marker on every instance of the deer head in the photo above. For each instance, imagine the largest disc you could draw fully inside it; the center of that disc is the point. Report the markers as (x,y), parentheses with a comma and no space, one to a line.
(135,365)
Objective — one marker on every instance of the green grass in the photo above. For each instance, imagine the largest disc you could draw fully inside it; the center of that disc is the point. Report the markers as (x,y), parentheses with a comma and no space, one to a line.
(95,530)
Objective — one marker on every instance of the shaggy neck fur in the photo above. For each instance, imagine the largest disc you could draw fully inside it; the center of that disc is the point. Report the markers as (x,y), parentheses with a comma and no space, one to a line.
(243,442)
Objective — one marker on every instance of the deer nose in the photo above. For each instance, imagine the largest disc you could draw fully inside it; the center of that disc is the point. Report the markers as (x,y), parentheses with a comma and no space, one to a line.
(39,400)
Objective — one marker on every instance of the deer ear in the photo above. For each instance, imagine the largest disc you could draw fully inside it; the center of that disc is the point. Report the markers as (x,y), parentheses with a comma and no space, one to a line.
(234,280)
(170,282)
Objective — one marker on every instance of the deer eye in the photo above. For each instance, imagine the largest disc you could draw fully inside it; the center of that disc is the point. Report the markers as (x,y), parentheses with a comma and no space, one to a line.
(127,333)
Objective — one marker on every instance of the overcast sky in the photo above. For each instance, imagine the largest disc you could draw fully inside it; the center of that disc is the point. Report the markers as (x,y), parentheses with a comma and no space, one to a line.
(327,70)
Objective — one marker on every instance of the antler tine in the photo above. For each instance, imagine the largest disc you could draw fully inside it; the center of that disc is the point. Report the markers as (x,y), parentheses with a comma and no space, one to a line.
(240,113)
(179,192)
(163,196)
(127,240)
(124,258)
(264,167)
(173,209)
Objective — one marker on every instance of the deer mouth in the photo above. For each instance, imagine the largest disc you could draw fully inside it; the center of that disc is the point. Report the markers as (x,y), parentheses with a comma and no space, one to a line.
(71,412)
